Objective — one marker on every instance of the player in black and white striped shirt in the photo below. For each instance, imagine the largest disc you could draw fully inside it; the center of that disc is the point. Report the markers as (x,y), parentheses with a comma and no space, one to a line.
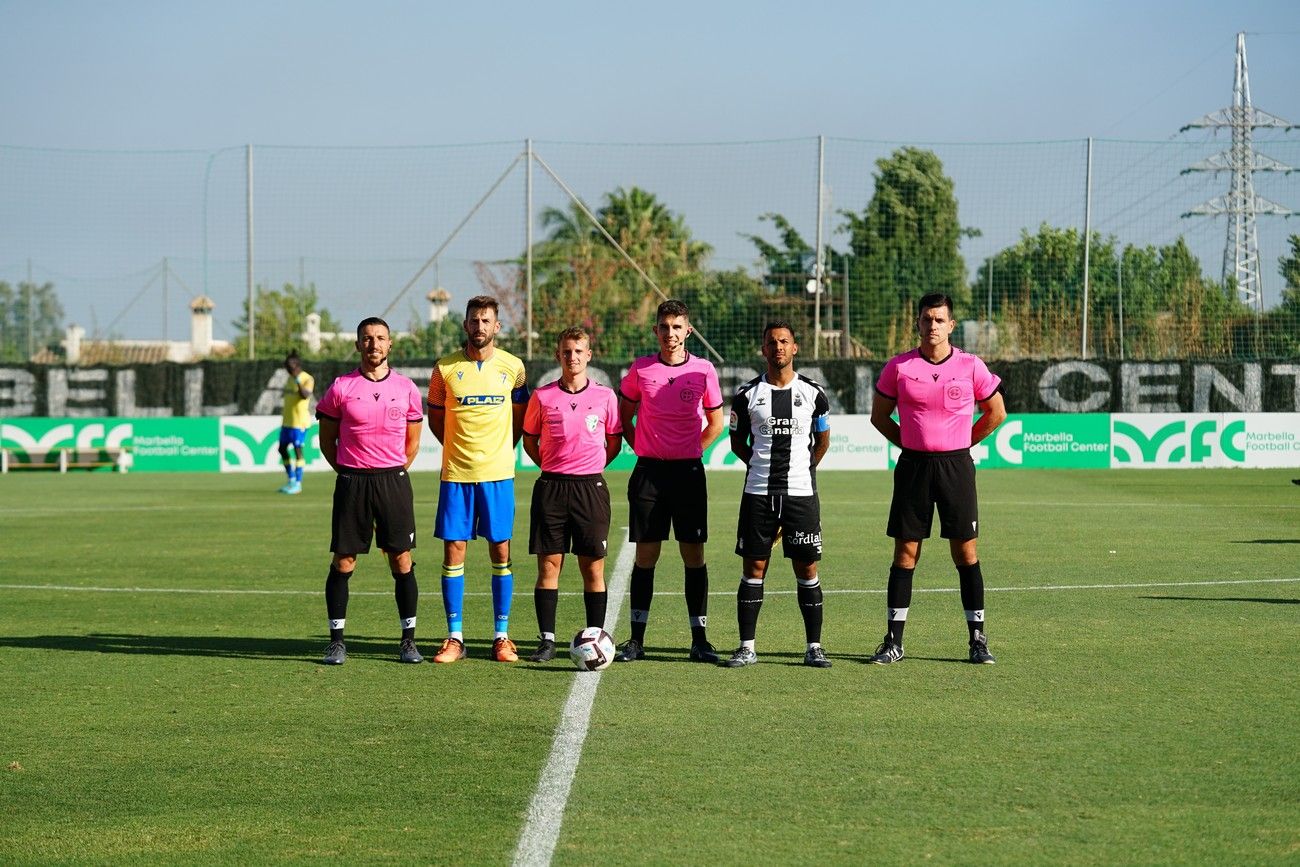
(780,428)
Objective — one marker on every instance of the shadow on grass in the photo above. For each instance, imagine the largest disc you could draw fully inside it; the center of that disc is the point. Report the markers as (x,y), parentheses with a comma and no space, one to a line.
(865,658)
(1262,599)
(232,647)
(1266,542)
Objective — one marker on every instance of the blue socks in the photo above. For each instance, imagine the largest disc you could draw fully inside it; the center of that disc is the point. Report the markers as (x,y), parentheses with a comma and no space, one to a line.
(453,598)
(503,589)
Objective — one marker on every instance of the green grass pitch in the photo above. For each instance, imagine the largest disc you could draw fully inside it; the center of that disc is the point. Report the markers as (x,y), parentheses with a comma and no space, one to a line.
(1145,707)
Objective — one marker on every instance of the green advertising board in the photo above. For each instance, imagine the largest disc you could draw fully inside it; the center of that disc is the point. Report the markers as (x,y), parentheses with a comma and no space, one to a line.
(1047,440)
(147,444)
(252,444)
(167,445)
(39,440)
(1043,441)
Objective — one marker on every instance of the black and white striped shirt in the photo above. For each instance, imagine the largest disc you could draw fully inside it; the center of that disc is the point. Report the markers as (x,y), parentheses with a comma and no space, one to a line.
(780,424)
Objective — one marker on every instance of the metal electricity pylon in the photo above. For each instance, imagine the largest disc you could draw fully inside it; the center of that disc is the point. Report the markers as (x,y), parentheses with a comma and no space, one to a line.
(1240,205)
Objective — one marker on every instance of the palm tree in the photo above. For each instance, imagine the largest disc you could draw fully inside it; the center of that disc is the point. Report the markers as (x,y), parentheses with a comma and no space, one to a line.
(583,279)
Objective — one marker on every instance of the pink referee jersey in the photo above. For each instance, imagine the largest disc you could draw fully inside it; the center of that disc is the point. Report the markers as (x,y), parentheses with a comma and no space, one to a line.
(936,401)
(573,426)
(672,401)
(372,418)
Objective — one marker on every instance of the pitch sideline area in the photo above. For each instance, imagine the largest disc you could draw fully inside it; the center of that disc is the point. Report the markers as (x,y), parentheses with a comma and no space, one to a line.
(160,725)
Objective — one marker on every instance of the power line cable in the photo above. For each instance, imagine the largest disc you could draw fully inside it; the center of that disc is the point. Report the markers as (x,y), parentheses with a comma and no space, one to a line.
(1171,86)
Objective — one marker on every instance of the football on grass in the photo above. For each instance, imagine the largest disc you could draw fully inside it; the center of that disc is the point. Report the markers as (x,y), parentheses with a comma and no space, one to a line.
(592,649)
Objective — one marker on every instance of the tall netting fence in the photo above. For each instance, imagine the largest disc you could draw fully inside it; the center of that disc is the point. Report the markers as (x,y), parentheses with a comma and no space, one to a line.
(124,246)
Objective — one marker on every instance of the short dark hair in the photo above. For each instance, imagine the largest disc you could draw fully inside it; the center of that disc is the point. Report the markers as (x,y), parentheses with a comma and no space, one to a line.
(292,357)
(779,323)
(372,320)
(483,302)
(671,307)
(934,299)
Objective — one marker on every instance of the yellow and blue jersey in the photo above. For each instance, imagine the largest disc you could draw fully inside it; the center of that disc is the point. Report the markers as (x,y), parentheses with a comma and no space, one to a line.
(295,405)
(479,398)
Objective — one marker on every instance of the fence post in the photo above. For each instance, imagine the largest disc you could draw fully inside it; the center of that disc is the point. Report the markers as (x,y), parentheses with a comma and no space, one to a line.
(846,341)
(248,228)
(988,327)
(819,267)
(1087,245)
(1119,279)
(31,313)
(528,245)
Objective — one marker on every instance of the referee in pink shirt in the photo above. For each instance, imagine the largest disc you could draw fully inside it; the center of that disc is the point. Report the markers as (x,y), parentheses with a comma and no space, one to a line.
(370,421)
(935,389)
(572,431)
(676,402)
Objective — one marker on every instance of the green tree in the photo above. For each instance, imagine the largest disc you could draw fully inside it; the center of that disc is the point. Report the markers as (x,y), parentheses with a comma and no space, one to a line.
(728,308)
(786,271)
(906,243)
(1037,289)
(1167,306)
(1289,268)
(431,340)
(582,280)
(281,321)
(31,318)
(1283,322)
(788,267)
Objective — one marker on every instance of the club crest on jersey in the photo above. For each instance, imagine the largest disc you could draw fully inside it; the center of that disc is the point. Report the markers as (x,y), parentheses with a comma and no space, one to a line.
(592,421)
(482,400)
(689,395)
(798,399)
(954,392)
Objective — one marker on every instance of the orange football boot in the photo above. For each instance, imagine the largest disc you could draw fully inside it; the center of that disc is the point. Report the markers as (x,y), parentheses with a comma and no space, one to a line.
(504,650)
(452,650)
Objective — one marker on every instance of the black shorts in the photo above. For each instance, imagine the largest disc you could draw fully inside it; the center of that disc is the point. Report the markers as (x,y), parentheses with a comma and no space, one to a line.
(372,502)
(924,480)
(796,519)
(664,492)
(569,513)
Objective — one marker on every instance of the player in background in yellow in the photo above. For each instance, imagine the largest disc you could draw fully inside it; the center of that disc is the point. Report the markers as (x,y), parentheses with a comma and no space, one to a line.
(295,421)
(477,396)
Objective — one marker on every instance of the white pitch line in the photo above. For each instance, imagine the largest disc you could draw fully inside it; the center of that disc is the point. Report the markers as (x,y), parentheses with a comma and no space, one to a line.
(1066,504)
(844,591)
(1046,587)
(546,811)
(211,591)
(28,512)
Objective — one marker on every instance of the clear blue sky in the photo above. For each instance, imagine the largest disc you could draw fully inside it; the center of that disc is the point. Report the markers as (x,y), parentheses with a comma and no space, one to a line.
(187,74)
